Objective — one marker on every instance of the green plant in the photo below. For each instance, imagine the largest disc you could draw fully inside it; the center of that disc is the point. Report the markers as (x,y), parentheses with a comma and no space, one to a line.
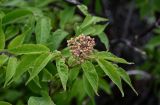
(33,53)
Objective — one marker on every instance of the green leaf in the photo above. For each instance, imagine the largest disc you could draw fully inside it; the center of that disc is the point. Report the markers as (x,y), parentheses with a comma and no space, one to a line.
(47,76)
(155,41)
(111,72)
(91,74)
(42,31)
(11,69)
(2,36)
(99,30)
(88,25)
(111,57)
(15,15)
(39,64)
(88,30)
(88,89)
(29,49)
(83,9)
(62,69)
(4,103)
(17,41)
(25,64)
(3,59)
(66,52)
(87,21)
(65,16)
(126,78)
(56,39)
(73,73)
(105,86)
(11,31)
(36,79)
(77,91)
(104,39)
(45,100)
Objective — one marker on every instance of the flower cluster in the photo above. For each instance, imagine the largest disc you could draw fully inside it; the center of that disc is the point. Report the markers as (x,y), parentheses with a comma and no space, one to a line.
(81,47)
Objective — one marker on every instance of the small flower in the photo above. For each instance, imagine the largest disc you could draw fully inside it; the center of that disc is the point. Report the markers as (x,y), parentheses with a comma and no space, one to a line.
(81,47)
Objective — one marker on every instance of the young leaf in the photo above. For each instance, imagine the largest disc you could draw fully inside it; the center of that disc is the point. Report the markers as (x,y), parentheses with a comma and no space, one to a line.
(45,100)
(16,15)
(29,49)
(11,68)
(42,30)
(111,72)
(126,78)
(4,103)
(62,69)
(56,39)
(91,74)
(2,36)
(39,64)
(104,85)
(3,59)
(25,64)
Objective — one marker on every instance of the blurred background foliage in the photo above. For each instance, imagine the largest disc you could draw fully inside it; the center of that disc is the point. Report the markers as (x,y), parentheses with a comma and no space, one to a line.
(133,30)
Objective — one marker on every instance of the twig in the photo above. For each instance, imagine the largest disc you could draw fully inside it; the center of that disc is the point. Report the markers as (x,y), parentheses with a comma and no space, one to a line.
(139,72)
(6,53)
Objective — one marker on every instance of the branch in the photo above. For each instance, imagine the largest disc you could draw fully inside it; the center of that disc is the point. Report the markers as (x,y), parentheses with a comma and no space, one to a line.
(151,28)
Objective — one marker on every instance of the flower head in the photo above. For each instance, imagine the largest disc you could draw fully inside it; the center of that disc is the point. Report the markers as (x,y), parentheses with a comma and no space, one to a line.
(81,47)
